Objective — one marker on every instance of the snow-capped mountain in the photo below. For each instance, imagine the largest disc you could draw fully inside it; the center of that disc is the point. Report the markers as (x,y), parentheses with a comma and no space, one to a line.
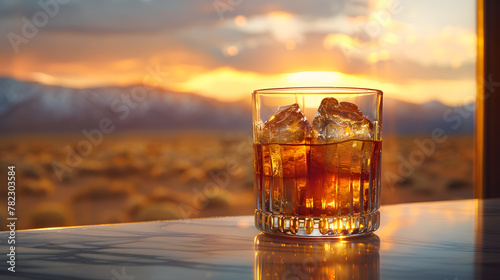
(32,107)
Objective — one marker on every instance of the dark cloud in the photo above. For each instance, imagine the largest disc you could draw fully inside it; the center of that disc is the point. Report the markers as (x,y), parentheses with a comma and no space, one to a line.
(97,16)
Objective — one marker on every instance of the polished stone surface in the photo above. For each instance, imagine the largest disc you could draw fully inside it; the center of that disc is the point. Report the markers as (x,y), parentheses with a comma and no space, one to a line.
(435,240)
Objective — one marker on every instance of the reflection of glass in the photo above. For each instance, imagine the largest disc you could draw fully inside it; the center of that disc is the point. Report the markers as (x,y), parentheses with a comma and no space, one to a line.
(355,258)
(317,160)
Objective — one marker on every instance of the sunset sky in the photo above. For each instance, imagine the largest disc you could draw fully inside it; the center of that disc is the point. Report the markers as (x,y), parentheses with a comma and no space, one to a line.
(415,50)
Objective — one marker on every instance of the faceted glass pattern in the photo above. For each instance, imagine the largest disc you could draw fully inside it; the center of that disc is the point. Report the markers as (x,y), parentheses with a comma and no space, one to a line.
(319,178)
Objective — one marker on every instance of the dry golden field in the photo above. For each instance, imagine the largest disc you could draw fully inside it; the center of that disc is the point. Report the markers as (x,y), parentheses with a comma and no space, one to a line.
(64,181)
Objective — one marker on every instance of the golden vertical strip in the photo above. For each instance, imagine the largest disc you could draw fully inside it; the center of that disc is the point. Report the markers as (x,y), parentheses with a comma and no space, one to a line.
(352,174)
(292,192)
(282,186)
(478,160)
(301,187)
(257,264)
(370,188)
(277,178)
(479,127)
(337,182)
(378,184)
(329,178)
(268,176)
(324,183)
(362,174)
(258,174)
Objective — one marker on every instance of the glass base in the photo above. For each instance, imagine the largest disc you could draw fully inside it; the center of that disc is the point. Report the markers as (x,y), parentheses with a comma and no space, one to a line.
(328,226)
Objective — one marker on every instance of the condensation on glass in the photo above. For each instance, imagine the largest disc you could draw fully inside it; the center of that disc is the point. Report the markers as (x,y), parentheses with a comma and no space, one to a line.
(317,156)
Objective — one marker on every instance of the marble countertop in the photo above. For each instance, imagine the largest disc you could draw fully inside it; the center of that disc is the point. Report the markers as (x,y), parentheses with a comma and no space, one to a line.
(435,240)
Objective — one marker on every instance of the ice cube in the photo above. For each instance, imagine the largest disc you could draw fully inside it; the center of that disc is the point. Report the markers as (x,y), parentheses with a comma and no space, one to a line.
(336,122)
(257,130)
(287,125)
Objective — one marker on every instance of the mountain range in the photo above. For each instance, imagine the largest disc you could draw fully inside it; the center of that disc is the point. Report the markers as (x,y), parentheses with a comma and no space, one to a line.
(30,107)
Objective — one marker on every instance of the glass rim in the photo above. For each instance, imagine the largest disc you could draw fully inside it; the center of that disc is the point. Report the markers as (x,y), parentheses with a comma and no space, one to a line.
(318,90)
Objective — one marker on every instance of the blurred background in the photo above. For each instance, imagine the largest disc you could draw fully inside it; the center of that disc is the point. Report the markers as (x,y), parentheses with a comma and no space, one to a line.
(120,111)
